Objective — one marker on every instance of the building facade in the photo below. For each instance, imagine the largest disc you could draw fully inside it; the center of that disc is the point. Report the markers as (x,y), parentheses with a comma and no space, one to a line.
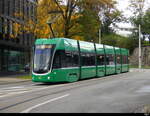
(16,42)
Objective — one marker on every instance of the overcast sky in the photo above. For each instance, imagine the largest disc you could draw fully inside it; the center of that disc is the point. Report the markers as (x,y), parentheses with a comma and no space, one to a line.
(123,6)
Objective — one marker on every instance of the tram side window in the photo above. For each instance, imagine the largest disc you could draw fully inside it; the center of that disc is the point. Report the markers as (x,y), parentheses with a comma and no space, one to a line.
(125,59)
(65,59)
(100,60)
(110,59)
(75,56)
(83,59)
(118,59)
(128,58)
(88,59)
(57,60)
(93,62)
(69,59)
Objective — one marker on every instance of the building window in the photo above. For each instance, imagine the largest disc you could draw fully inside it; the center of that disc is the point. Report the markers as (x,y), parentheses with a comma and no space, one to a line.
(5,26)
(5,60)
(10,28)
(11,8)
(6,7)
(22,9)
(13,61)
(1,23)
(28,9)
(2,6)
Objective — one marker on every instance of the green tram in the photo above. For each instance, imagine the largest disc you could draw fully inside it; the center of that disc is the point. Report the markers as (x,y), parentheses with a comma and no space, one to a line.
(67,60)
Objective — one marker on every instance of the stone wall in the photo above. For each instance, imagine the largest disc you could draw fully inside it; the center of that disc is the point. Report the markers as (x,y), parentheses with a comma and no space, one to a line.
(145,56)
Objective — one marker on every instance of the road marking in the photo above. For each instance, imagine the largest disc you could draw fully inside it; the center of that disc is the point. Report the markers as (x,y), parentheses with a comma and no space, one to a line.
(38,105)
(13,93)
(6,92)
(17,87)
(10,88)
(145,89)
(13,90)
(50,87)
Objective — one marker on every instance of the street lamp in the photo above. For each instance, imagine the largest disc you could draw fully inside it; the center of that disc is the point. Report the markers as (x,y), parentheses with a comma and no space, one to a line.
(50,26)
(50,22)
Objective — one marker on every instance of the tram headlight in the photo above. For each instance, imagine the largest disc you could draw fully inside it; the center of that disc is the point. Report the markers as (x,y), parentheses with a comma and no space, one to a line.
(49,78)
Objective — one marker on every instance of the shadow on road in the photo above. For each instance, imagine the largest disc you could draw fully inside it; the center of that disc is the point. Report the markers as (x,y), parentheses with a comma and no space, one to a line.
(50,83)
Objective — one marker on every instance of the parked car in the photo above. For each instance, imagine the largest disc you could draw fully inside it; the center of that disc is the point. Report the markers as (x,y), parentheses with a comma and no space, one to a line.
(27,68)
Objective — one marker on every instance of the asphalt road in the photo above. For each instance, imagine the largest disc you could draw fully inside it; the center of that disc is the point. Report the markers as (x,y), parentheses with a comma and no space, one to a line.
(123,93)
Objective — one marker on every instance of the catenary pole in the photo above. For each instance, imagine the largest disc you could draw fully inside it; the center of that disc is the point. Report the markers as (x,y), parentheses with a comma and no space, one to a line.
(140,47)
(100,36)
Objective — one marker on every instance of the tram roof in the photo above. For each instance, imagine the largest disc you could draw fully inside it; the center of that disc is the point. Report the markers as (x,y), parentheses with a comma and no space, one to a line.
(71,44)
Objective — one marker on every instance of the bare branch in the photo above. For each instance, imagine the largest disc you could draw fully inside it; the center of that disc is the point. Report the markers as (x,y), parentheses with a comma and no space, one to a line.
(59,8)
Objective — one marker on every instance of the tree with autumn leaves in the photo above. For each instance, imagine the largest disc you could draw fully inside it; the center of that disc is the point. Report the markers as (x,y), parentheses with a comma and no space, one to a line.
(79,19)
(82,19)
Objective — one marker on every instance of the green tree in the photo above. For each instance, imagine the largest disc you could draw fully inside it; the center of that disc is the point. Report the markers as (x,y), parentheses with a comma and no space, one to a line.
(146,24)
(91,20)
(89,25)
(140,17)
(110,18)
(137,7)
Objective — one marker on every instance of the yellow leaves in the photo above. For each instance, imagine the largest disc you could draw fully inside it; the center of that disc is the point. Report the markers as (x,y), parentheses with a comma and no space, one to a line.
(18,14)
(60,25)
(16,29)
(98,4)
(12,36)
(76,16)
(42,29)
(78,37)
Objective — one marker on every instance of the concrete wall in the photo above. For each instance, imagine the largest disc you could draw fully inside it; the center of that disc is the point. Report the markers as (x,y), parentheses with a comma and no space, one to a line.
(145,56)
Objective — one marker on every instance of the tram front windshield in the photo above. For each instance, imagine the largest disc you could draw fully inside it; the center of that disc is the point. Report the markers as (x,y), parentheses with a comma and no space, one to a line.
(42,58)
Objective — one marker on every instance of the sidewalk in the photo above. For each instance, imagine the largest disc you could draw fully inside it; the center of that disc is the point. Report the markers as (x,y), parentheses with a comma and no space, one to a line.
(11,79)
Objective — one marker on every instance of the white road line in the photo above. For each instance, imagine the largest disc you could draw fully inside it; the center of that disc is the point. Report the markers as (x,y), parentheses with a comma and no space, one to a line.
(38,105)
(28,90)
(42,88)
(145,89)
(13,90)
(17,87)
(13,93)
